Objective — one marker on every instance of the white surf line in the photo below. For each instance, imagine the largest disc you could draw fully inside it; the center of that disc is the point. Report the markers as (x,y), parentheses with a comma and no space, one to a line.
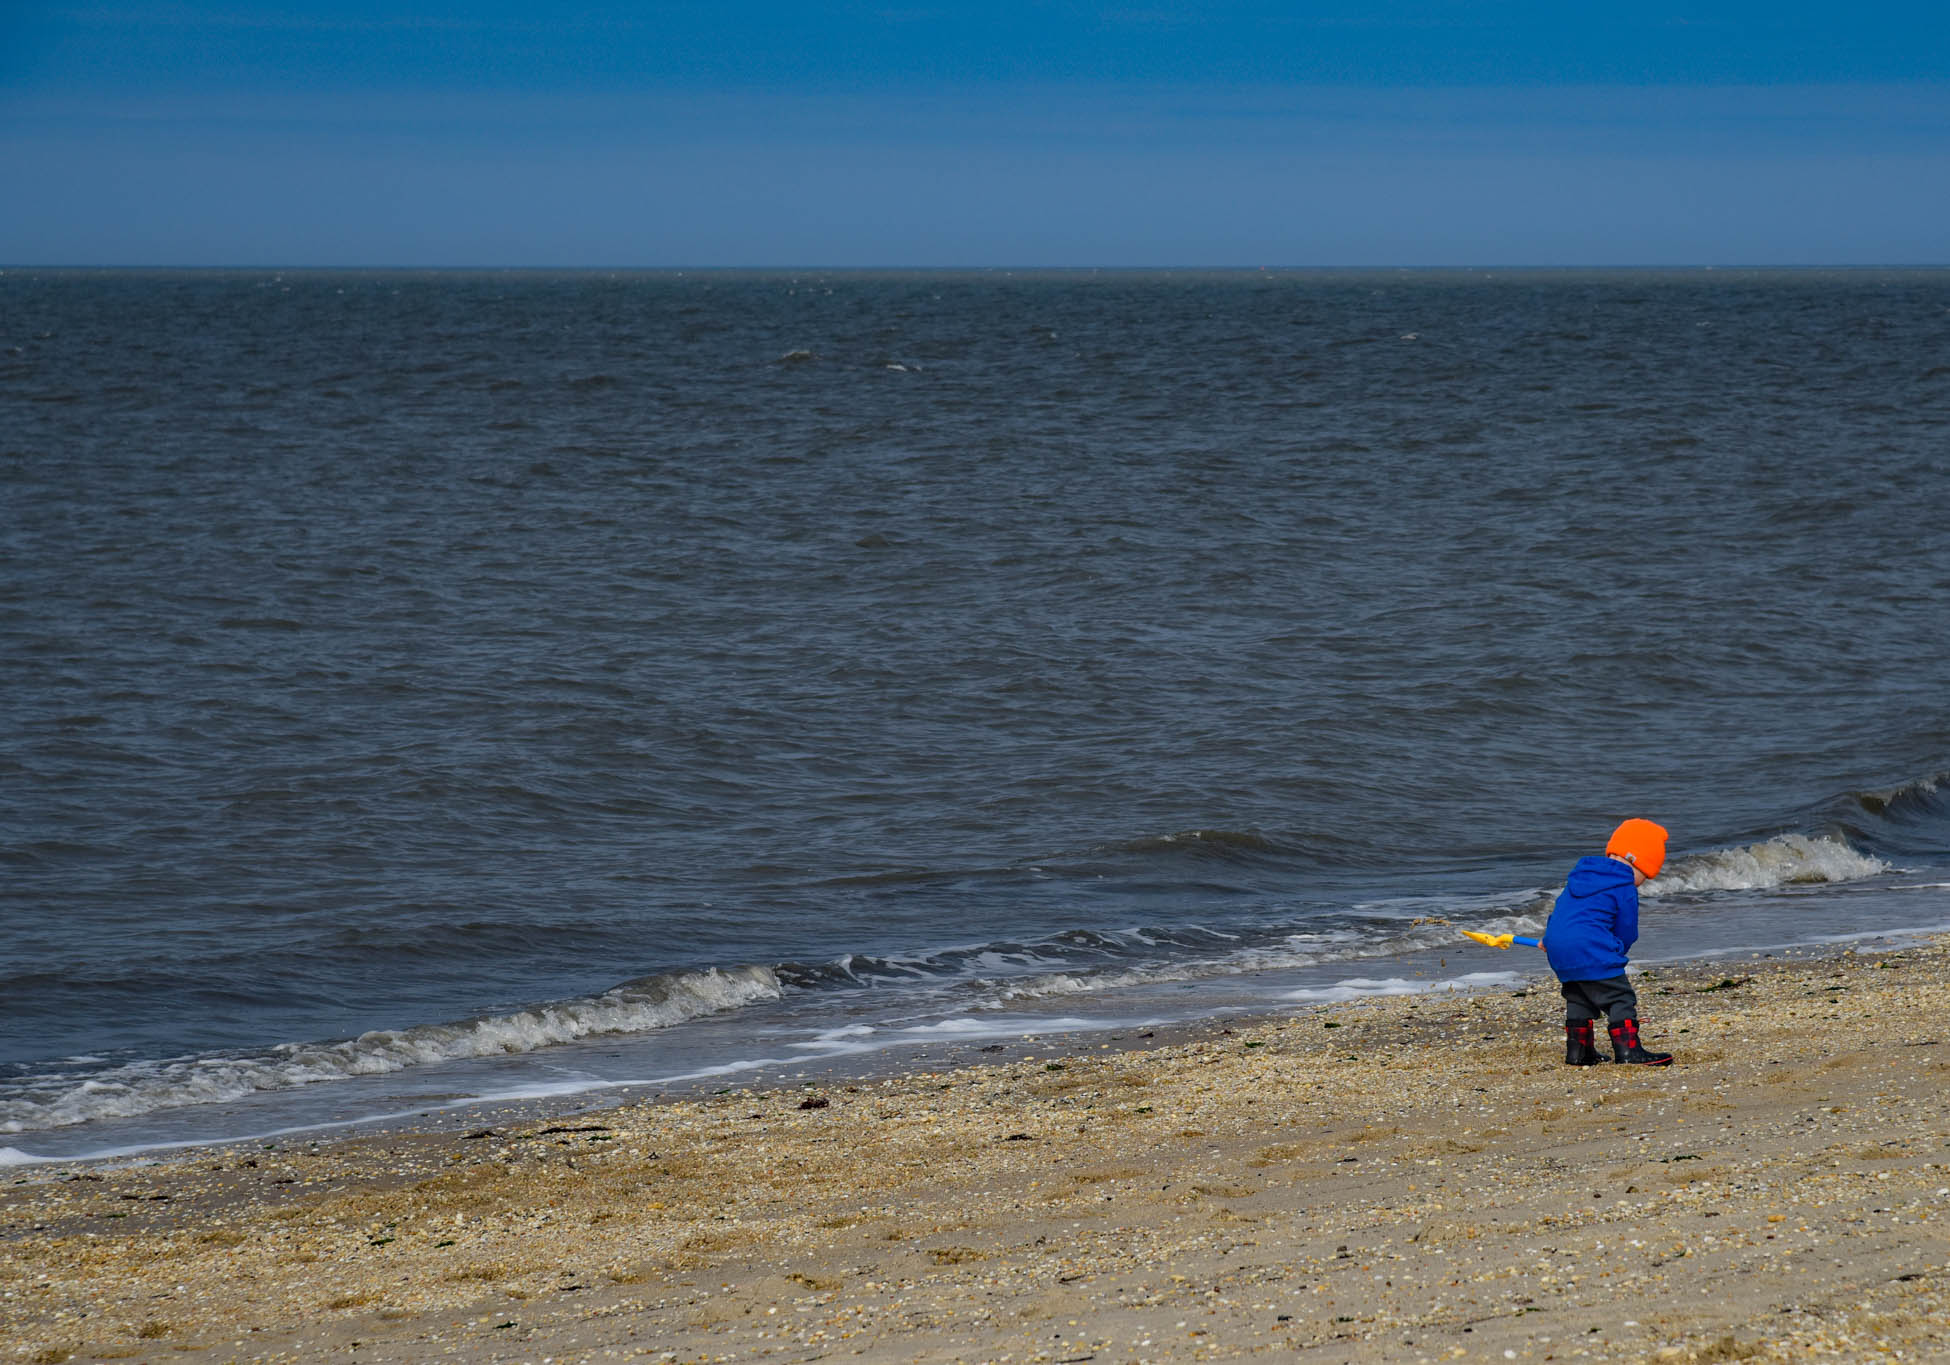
(15,1157)
(1903,933)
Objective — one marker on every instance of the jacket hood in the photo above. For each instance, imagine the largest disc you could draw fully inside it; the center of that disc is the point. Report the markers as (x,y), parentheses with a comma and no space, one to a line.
(1595,875)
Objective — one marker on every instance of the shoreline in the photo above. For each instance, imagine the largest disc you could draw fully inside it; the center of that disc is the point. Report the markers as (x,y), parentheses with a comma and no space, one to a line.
(1422,1166)
(512,1054)
(1426,974)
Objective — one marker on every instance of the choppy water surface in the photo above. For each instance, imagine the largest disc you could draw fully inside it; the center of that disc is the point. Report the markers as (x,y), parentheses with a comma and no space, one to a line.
(483,681)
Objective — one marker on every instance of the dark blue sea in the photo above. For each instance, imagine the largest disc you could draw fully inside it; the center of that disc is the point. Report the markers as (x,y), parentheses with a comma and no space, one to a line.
(425,686)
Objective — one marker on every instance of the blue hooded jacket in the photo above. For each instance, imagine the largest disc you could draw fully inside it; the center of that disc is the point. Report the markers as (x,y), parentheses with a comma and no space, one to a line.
(1595,921)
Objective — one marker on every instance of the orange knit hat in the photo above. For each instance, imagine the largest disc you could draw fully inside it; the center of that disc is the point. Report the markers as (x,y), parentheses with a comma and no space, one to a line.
(1640,843)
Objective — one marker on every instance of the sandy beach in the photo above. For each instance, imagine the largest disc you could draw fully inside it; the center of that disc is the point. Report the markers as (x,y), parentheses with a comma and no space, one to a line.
(1402,1179)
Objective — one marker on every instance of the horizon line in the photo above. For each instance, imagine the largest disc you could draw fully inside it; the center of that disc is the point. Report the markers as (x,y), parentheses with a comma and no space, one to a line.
(980,269)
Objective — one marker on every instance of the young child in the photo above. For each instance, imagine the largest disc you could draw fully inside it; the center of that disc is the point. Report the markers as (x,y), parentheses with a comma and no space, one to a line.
(1591,928)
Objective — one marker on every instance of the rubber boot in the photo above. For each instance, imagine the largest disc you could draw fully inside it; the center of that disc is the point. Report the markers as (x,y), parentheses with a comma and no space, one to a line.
(1625,1046)
(1578,1048)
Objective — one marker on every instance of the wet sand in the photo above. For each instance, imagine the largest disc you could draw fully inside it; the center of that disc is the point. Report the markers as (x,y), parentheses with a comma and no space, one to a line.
(1396,1180)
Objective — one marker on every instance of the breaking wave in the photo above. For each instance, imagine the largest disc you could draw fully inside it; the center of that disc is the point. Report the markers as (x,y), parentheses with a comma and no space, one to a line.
(1910,818)
(636,1006)
(1281,951)
(980,977)
(1785,860)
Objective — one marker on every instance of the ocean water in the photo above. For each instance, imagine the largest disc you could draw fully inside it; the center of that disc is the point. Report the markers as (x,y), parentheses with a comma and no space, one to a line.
(421,686)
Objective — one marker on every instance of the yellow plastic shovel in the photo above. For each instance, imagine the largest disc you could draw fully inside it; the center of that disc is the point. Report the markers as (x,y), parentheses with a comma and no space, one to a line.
(1502,940)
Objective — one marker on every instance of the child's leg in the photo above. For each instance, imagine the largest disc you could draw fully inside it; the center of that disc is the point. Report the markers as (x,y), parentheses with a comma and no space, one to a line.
(1615,996)
(1580,1014)
(1621,1004)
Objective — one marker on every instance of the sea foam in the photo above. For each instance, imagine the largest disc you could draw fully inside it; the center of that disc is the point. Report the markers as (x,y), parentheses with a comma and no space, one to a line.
(634,1007)
(1369,988)
(1786,860)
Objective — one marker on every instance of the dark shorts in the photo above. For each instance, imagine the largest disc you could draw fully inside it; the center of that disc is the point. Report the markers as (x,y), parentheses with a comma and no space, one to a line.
(1613,997)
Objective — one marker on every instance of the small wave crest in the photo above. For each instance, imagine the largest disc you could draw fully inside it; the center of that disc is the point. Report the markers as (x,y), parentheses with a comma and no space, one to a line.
(1912,817)
(1918,792)
(1065,949)
(1370,988)
(1220,842)
(1244,848)
(1282,953)
(635,1006)
(1786,860)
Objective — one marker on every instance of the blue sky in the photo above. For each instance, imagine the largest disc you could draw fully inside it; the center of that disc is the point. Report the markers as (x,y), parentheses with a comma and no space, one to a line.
(677,133)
